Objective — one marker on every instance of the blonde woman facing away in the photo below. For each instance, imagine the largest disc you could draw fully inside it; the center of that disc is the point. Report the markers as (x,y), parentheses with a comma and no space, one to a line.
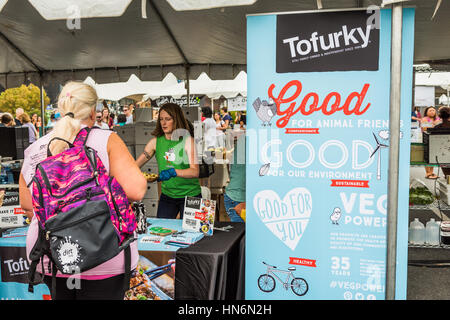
(76,104)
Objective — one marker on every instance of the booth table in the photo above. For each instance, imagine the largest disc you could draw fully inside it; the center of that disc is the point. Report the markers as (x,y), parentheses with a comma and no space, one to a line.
(14,269)
(211,268)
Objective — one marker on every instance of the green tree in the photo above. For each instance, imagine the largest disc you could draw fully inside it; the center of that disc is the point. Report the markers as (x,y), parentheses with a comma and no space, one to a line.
(26,97)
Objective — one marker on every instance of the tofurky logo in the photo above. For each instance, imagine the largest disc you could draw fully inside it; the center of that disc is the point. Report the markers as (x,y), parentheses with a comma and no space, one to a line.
(305,46)
(193,202)
(19,266)
(326,41)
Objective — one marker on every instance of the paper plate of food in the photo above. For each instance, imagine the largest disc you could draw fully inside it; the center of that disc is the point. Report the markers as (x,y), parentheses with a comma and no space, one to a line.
(151,177)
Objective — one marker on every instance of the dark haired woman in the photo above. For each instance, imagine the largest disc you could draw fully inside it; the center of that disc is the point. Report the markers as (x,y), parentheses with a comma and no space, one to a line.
(174,148)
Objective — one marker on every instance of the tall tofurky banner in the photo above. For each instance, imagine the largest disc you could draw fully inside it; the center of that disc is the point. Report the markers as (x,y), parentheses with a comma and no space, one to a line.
(317,154)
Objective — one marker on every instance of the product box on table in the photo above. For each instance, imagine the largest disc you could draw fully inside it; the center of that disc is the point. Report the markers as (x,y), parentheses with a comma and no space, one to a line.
(11,215)
(199,215)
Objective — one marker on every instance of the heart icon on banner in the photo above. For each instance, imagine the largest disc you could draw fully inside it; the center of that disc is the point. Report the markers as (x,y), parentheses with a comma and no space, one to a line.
(287,219)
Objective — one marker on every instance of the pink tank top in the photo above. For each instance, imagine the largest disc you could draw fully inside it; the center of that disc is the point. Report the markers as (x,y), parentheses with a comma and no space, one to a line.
(98,140)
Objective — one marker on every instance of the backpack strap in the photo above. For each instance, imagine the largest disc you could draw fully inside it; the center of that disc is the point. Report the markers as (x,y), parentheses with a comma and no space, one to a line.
(37,255)
(125,246)
(127,275)
(32,274)
(82,136)
(49,154)
(54,271)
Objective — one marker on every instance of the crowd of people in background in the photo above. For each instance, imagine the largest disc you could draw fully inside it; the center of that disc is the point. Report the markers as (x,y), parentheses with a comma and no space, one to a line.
(104,119)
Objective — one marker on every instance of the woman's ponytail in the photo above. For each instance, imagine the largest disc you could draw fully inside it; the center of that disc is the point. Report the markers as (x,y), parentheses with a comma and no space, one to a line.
(75,104)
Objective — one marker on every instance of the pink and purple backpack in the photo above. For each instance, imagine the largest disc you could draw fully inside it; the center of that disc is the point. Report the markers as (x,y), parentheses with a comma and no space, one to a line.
(84,215)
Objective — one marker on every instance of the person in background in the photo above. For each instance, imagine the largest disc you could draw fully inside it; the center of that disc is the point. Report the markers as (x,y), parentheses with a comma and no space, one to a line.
(52,121)
(220,135)
(121,120)
(444,114)
(105,116)
(416,115)
(34,119)
(429,120)
(24,118)
(99,121)
(234,196)
(226,118)
(19,111)
(238,117)
(77,102)
(242,123)
(39,125)
(111,120)
(128,113)
(210,128)
(174,148)
(6,120)
(131,106)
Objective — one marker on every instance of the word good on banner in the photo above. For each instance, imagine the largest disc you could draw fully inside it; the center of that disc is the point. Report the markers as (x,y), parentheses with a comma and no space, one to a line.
(314,104)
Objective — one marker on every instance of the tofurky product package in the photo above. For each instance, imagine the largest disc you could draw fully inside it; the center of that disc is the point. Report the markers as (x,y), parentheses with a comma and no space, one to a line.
(11,215)
(199,215)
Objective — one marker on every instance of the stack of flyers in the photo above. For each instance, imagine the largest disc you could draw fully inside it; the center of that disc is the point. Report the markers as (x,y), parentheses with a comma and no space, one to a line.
(199,215)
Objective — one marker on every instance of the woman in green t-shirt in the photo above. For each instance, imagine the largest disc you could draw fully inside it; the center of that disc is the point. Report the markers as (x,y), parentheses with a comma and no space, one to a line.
(174,148)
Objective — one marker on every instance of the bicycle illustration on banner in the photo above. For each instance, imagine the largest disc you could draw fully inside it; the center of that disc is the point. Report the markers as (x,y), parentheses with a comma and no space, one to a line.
(266,282)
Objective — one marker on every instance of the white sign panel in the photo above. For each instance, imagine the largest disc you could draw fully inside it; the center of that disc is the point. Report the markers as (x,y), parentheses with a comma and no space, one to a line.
(423,96)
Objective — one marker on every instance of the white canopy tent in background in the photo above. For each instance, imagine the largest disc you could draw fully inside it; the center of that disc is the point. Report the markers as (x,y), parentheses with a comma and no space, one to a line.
(435,79)
(215,89)
(134,86)
(171,86)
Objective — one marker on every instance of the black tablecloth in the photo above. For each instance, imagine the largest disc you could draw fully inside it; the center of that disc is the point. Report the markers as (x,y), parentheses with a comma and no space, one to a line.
(213,268)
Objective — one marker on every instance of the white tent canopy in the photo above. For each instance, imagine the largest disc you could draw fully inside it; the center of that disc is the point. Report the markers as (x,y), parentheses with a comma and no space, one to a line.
(170,86)
(436,79)
(217,88)
(134,86)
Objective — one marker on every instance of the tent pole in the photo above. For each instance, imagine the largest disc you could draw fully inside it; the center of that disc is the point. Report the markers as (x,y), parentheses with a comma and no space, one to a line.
(41,84)
(394,143)
(188,86)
